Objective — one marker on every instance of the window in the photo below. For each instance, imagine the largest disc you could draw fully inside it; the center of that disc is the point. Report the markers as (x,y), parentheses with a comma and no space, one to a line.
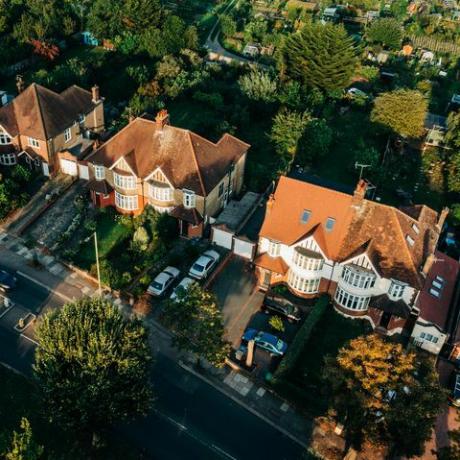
(126,182)
(305,285)
(126,202)
(330,224)
(305,216)
(81,118)
(415,229)
(274,248)
(4,138)
(358,278)
(350,301)
(396,290)
(8,159)
(99,172)
(67,135)
(33,142)
(428,337)
(410,240)
(307,263)
(221,189)
(435,293)
(161,193)
(189,199)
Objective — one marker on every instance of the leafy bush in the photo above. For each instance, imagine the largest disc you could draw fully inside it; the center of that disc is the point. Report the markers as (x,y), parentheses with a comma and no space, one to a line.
(276,323)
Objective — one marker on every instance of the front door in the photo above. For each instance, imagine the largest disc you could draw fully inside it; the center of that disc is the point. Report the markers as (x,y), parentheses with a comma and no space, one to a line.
(46,169)
(265,279)
(385,320)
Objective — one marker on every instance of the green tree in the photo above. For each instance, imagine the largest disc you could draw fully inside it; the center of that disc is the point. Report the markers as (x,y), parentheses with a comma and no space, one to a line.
(23,445)
(320,56)
(93,366)
(386,32)
(452,137)
(455,213)
(198,325)
(227,26)
(259,86)
(374,384)
(453,173)
(316,141)
(402,111)
(276,323)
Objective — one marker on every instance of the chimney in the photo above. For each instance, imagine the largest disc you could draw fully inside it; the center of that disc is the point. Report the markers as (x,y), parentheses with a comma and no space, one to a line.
(270,202)
(19,84)
(95,93)
(429,261)
(360,190)
(162,118)
(442,218)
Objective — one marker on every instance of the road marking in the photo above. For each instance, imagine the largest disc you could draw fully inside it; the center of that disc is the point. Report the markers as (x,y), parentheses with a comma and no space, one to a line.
(28,338)
(44,286)
(226,454)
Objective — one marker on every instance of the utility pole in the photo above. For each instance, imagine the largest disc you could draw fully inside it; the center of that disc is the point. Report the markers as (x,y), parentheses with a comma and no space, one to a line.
(99,291)
(362,166)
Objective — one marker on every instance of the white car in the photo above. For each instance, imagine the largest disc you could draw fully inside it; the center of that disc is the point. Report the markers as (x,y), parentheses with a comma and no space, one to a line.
(162,282)
(355,92)
(204,264)
(181,287)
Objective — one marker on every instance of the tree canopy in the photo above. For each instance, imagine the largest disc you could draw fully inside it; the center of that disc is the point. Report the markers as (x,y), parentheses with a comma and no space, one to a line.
(402,111)
(386,32)
(320,56)
(374,385)
(92,365)
(23,445)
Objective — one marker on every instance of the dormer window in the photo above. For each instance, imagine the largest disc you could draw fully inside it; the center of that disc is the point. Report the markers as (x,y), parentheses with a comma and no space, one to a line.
(305,216)
(99,172)
(396,290)
(189,199)
(67,135)
(126,182)
(410,240)
(330,224)
(274,248)
(33,142)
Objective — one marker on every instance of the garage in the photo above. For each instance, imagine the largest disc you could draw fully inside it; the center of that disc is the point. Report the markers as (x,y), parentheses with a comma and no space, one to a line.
(243,247)
(83,172)
(69,167)
(222,237)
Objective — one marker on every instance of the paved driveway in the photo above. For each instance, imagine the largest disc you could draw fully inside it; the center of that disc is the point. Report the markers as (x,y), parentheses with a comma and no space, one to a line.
(237,296)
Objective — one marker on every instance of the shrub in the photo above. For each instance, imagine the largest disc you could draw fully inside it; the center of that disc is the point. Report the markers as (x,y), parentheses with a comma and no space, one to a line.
(276,323)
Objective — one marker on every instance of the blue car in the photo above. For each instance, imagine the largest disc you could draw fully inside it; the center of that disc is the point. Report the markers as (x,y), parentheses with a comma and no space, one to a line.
(7,281)
(266,341)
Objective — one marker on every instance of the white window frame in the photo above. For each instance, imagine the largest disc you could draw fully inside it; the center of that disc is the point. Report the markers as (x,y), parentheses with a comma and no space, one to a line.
(32,142)
(351,301)
(126,202)
(161,193)
(396,289)
(307,263)
(354,278)
(67,134)
(304,285)
(8,159)
(5,139)
(99,172)
(274,248)
(189,199)
(124,182)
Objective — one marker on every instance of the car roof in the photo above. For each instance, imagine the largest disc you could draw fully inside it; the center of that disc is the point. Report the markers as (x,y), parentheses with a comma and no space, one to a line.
(266,337)
(162,277)
(186,281)
(211,253)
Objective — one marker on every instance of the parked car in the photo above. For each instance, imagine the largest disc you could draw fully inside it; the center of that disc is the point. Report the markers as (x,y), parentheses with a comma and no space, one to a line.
(204,264)
(279,305)
(454,397)
(266,341)
(355,92)
(181,287)
(162,282)
(7,280)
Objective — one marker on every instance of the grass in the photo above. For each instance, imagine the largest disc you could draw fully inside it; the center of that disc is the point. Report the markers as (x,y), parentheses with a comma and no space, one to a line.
(19,398)
(109,235)
(304,384)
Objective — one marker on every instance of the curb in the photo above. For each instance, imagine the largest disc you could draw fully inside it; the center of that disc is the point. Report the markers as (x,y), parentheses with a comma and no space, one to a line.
(242,404)
(44,286)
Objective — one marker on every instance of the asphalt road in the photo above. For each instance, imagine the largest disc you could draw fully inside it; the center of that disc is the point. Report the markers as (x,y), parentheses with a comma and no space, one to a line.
(191,419)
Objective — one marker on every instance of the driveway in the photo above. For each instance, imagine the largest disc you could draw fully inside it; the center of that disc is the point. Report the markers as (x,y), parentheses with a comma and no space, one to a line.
(235,288)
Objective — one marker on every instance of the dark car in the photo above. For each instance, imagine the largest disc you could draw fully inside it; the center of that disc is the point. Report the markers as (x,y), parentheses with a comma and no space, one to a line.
(7,280)
(281,306)
(266,341)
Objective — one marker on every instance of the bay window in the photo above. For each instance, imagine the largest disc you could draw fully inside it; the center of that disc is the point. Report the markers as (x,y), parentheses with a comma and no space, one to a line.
(126,202)
(305,262)
(161,193)
(305,285)
(351,301)
(126,182)
(274,248)
(358,277)
(396,289)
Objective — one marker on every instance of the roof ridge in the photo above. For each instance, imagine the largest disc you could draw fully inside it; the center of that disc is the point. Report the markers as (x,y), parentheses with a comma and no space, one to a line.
(233,137)
(40,108)
(196,164)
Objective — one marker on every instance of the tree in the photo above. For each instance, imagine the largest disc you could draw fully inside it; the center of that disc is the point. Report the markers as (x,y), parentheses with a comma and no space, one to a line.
(316,141)
(453,173)
(386,32)
(375,384)
(227,26)
(197,322)
(259,86)
(402,111)
(92,365)
(320,56)
(276,323)
(23,445)
(451,452)
(452,137)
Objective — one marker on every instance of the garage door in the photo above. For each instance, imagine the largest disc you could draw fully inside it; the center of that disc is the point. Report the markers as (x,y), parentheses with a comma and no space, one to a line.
(222,238)
(69,167)
(244,248)
(83,172)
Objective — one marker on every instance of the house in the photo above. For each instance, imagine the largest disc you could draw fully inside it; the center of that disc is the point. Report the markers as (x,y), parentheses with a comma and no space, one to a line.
(434,303)
(150,162)
(39,123)
(436,129)
(370,257)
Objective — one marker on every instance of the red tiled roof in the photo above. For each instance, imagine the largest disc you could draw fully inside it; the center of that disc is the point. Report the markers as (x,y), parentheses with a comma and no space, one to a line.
(436,309)
(190,215)
(274,264)
(188,160)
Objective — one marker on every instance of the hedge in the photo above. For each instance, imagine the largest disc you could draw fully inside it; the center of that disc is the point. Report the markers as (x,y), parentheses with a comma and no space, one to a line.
(302,337)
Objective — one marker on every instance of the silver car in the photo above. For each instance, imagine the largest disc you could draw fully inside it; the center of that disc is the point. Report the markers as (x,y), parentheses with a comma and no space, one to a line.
(204,264)
(162,282)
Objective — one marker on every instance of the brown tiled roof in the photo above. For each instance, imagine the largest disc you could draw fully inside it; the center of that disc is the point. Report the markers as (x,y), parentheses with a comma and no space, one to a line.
(361,226)
(190,215)
(42,114)
(395,307)
(274,264)
(100,186)
(433,309)
(188,160)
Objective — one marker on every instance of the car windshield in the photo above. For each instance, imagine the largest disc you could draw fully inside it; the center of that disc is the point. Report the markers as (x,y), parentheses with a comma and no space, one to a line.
(198,267)
(156,285)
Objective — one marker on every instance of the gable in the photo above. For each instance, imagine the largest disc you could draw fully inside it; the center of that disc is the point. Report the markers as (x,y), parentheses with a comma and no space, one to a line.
(311,244)
(122,164)
(363,261)
(159,176)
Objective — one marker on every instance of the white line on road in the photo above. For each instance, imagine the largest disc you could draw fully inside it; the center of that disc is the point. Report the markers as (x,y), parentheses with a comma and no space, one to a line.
(226,454)
(44,286)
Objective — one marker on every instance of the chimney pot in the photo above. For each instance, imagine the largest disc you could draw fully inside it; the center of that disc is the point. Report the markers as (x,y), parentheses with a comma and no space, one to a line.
(361,188)
(95,93)
(162,118)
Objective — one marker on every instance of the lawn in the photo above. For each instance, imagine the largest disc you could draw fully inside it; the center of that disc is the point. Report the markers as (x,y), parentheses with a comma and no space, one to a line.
(20,398)
(304,384)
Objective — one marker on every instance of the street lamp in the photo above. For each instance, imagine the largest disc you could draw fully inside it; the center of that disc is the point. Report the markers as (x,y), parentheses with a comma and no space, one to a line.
(99,290)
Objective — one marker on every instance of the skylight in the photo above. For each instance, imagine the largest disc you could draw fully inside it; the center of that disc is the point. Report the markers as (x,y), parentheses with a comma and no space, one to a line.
(330,224)
(410,240)
(435,293)
(305,216)
(415,228)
